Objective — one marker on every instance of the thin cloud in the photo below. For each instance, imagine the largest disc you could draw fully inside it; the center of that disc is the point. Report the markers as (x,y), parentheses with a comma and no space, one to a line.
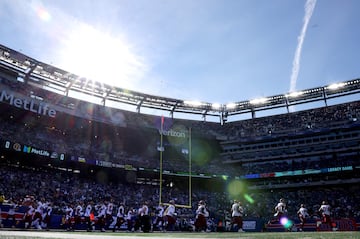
(309,9)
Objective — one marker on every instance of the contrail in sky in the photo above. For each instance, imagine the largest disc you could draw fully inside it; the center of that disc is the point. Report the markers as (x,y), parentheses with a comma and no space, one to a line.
(309,8)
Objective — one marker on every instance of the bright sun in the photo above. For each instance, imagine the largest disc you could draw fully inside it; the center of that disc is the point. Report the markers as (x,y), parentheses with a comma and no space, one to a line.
(98,56)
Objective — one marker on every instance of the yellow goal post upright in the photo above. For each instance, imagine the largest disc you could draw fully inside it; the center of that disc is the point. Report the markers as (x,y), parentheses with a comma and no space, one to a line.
(189,205)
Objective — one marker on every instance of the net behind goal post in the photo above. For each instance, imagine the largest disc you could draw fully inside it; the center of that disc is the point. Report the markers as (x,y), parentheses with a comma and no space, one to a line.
(189,177)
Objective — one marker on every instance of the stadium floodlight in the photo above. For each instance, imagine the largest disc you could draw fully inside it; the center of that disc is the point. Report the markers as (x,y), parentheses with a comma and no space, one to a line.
(258,101)
(184,151)
(335,86)
(231,105)
(193,103)
(39,68)
(27,70)
(67,85)
(27,63)
(216,106)
(125,93)
(294,94)
(139,102)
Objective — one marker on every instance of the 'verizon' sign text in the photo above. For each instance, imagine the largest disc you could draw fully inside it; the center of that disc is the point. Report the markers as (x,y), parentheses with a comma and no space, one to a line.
(30,105)
(172,133)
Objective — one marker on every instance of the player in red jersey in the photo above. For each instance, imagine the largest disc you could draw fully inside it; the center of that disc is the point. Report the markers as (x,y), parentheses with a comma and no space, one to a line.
(28,216)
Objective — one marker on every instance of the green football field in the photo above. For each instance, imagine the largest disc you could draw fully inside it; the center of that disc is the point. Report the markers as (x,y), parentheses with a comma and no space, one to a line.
(123,235)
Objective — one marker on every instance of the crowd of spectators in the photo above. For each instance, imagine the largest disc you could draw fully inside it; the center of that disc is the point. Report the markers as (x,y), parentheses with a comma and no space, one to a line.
(65,188)
(109,145)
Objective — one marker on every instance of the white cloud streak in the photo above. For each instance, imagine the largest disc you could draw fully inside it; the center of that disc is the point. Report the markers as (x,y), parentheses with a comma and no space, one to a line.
(309,9)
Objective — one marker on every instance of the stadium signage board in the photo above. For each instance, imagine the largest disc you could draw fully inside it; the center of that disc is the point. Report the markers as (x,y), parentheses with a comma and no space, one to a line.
(172,133)
(30,105)
(7,144)
(32,150)
(249,225)
(337,169)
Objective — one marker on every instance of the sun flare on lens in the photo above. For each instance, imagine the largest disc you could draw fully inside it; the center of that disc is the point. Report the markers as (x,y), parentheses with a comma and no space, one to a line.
(99,56)
(249,198)
(286,222)
(236,188)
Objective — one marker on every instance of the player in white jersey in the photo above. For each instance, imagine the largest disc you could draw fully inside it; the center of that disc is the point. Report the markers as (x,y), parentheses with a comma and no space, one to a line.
(159,221)
(69,217)
(170,216)
(325,210)
(120,217)
(37,219)
(130,219)
(46,216)
(109,213)
(237,212)
(101,216)
(89,215)
(280,209)
(78,213)
(201,217)
(144,217)
(302,215)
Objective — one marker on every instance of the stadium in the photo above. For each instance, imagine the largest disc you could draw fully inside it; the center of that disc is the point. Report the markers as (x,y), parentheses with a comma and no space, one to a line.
(68,151)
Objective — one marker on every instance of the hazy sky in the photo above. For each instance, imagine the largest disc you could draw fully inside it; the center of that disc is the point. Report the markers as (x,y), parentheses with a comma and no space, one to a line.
(216,51)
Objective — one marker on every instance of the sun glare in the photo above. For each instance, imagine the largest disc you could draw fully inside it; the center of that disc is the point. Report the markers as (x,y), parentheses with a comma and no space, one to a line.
(98,56)
(43,14)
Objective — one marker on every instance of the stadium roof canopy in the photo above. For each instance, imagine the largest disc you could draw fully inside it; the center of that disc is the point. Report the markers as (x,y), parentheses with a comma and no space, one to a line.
(52,78)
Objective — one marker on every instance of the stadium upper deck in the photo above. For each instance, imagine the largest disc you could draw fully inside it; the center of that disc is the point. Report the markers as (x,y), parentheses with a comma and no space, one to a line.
(48,77)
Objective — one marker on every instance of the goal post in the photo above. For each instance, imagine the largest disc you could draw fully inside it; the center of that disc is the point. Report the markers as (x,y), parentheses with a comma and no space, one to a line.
(189,176)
